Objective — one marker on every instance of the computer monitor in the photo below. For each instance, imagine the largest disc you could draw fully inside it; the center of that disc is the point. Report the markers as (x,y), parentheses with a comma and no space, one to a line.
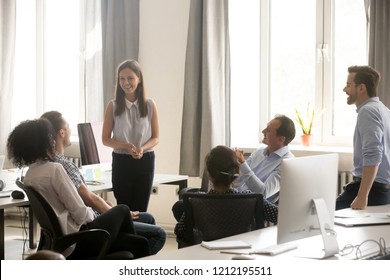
(307,200)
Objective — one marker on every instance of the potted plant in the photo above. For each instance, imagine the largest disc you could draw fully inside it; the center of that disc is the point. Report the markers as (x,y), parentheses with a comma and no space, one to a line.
(306,119)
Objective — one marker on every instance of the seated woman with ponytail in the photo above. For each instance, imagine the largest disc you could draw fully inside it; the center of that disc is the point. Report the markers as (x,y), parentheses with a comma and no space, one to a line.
(223,168)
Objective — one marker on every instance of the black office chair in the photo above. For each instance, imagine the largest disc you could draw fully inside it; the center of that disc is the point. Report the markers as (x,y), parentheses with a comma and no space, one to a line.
(92,150)
(88,149)
(178,207)
(214,216)
(52,237)
(204,186)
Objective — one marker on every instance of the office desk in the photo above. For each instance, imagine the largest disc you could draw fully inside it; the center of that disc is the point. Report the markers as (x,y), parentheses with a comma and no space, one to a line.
(102,173)
(8,202)
(267,237)
(106,186)
(9,178)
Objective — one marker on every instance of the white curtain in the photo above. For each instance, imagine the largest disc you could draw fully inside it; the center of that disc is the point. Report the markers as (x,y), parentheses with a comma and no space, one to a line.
(206,120)
(7,56)
(379,45)
(93,65)
(120,29)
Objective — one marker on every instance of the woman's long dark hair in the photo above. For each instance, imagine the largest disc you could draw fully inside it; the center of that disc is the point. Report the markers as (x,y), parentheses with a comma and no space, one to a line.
(30,141)
(140,90)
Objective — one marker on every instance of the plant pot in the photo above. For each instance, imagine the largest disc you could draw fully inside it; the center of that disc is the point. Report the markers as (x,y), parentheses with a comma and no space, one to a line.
(306,139)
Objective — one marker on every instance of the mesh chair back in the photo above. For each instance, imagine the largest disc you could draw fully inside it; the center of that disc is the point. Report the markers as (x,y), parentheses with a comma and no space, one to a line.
(210,217)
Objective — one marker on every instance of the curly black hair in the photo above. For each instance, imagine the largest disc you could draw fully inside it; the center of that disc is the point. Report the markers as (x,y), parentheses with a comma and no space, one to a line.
(30,141)
(222,165)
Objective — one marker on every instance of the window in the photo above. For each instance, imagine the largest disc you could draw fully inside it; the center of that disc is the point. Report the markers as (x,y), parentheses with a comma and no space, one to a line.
(245,71)
(25,81)
(47,60)
(350,48)
(304,50)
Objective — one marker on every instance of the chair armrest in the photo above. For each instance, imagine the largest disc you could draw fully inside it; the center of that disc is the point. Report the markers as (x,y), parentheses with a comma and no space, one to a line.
(140,245)
(99,236)
(119,255)
(184,190)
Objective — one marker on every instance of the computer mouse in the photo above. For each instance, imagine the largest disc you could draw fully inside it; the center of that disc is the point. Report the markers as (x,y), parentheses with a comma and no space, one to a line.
(243,257)
(2,185)
(17,194)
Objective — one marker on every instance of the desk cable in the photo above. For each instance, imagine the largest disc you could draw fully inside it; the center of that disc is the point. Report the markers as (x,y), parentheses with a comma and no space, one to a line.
(349,248)
(24,224)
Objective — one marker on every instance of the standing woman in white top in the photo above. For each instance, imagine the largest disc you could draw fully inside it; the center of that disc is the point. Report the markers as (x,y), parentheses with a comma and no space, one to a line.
(131,128)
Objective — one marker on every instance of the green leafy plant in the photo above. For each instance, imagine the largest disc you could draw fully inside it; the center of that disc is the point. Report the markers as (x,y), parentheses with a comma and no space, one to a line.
(306,118)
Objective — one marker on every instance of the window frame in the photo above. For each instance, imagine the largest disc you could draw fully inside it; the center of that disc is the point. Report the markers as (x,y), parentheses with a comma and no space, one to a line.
(324,72)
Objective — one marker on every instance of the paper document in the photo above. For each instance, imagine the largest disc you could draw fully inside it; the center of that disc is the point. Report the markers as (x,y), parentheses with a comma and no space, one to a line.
(350,213)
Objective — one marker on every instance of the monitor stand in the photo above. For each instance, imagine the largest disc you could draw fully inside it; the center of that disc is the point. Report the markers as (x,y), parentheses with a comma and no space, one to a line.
(331,247)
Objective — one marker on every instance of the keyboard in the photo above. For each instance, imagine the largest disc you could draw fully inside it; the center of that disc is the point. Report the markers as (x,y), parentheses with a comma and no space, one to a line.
(276,249)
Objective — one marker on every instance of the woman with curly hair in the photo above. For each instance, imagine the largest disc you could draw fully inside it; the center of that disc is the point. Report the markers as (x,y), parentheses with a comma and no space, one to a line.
(32,144)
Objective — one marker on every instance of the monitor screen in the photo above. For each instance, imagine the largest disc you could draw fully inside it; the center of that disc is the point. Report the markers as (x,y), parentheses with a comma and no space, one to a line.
(304,179)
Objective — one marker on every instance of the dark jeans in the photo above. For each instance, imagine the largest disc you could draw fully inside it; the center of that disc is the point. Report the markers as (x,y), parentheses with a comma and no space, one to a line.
(145,226)
(378,195)
(132,180)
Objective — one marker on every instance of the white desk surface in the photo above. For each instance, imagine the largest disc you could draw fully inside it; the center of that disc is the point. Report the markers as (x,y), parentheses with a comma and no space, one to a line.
(267,236)
(104,176)
(9,177)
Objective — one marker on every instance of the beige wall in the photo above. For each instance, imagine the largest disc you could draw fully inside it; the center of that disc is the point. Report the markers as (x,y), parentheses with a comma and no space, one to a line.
(163,39)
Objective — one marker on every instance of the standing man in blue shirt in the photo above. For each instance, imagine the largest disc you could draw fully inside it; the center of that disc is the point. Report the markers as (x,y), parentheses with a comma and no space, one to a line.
(371,142)
(260,173)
